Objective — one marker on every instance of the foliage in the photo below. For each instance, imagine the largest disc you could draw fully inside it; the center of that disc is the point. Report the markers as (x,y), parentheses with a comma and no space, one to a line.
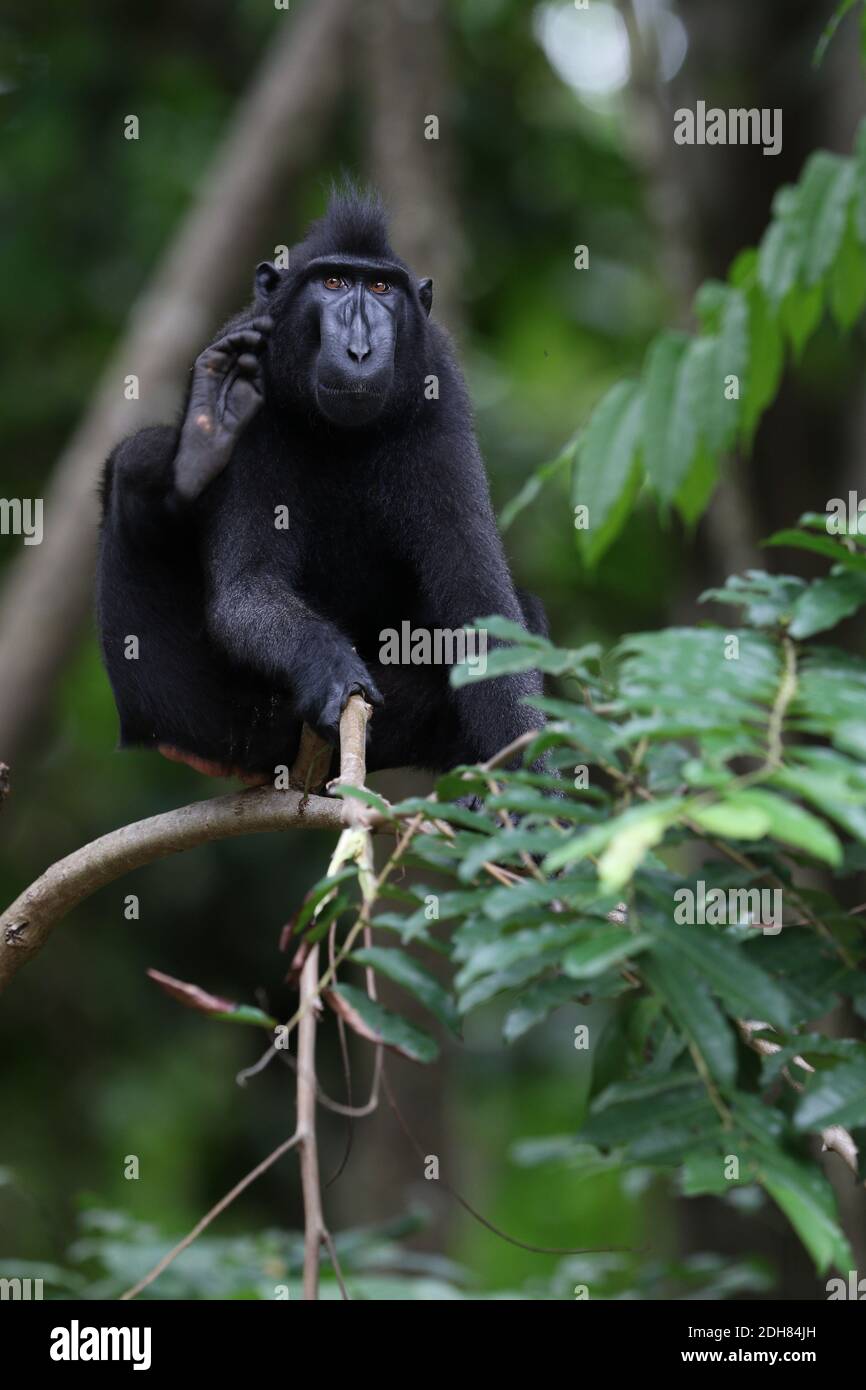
(829,33)
(112,1251)
(541,347)
(702,396)
(692,865)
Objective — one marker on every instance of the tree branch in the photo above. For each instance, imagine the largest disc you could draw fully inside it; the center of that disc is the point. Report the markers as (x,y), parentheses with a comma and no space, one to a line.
(306,1086)
(26,925)
(353,739)
(353,772)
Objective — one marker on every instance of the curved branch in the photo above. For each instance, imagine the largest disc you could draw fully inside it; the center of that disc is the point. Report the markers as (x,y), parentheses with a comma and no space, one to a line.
(26,925)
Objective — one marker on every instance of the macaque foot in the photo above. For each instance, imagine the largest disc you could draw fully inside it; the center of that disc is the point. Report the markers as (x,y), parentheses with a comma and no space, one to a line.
(210,768)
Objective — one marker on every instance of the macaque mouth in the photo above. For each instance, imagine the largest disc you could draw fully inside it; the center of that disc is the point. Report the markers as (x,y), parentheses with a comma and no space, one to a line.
(358,404)
(350,391)
(347,390)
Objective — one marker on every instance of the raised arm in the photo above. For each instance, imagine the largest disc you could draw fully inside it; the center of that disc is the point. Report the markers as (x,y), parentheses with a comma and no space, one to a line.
(158,474)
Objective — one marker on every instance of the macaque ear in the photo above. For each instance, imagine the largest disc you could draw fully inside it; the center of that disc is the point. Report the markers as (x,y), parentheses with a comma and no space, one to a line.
(425,294)
(267,278)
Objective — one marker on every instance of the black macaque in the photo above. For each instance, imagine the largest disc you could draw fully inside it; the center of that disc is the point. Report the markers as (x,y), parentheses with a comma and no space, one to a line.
(324,485)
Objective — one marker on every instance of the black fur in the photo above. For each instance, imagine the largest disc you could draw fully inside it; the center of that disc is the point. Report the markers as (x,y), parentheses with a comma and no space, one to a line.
(244,629)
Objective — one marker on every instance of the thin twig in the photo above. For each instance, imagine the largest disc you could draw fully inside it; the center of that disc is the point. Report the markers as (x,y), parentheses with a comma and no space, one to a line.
(476,1215)
(306,1110)
(335,1263)
(355,1112)
(210,1216)
(784,695)
(505,754)
(347,1073)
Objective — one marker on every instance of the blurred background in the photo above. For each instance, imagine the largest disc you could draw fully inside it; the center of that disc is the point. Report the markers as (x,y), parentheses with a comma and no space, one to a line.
(119,256)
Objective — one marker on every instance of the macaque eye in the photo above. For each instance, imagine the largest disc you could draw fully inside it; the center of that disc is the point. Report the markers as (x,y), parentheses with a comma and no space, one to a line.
(379,286)
(333,282)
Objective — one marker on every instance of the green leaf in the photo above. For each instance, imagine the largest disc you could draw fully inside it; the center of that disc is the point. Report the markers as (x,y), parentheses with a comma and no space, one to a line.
(364,795)
(781,250)
(534,484)
(670,414)
(627,849)
(607,474)
(327,913)
(812,1048)
(835,1097)
(753,813)
(848,280)
(504,904)
(412,976)
(720,415)
(820,545)
(831,783)
(314,900)
(814,521)
(768,599)
(528,652)
(801,313)
(535,1005)
(710,301)
(732,819)
(488,986)
(601,949)
(704,1174)
(765,361)
(860,183)
(791,823)
(806,1198)
(504,951)
(593,841)
(369,1020)
(682,1081)
(693,1009)
(680,667)
(214,1005)
(726,967)
(507,630)
(698,486)
(826,602)
(830,29)
(656,1128)
(826,186)
(590,733)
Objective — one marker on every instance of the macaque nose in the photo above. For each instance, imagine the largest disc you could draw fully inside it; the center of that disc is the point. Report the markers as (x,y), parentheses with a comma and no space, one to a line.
(359,347)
